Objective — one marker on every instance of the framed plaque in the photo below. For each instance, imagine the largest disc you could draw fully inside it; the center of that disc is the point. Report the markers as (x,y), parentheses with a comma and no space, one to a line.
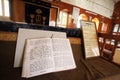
(90,39)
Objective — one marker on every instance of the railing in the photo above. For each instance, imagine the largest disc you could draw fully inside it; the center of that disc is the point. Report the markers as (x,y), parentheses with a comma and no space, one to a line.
(108,44)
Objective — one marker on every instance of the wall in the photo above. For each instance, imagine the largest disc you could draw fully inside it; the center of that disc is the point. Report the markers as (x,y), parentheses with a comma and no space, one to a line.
(12,36)
(19,9)
(69,7)
(116,13)
(102,7)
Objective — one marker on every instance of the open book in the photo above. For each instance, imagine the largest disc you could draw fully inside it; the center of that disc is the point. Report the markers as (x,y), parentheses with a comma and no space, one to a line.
(45,55)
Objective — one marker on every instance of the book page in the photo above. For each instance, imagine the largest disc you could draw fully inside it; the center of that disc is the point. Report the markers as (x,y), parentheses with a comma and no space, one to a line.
(38,57)
(45,55)
(63,56)
(24,34)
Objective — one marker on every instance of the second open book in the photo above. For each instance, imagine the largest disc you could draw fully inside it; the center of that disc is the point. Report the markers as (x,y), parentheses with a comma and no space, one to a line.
(45,55)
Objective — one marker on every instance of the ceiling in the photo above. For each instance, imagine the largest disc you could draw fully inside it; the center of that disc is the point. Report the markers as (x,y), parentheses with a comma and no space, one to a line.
(115,1)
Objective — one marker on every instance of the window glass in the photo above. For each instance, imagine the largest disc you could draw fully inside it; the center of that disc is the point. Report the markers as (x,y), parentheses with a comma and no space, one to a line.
(63,19)
(118,44)
(101,39)
(112,42)
(119,30)
(116,28)
(84,17)
(6,7)
(79,22)
(0,7)
(104,27)
(107,41)
(96,20)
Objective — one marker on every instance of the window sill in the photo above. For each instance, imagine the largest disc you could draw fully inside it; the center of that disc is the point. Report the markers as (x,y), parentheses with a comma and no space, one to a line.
(4,18)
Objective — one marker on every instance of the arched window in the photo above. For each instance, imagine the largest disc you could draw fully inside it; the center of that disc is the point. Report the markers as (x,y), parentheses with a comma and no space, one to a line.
(96,20)
(83,17)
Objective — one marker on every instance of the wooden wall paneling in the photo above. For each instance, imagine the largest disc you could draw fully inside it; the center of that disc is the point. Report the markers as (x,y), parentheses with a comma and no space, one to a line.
(116,13)
(18,11)
(53,14)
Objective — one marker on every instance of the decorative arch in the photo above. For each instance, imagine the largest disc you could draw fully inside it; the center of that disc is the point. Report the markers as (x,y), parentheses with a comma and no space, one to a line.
(83,17)
(96,20)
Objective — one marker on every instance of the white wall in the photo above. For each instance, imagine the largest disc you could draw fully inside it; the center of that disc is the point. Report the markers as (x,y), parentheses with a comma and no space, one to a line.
(102,7)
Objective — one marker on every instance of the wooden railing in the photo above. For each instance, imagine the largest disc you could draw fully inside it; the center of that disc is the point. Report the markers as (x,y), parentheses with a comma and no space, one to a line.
(108,44)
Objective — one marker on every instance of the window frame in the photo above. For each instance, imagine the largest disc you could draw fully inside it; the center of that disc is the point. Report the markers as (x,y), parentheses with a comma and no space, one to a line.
(104,27)
(116,29)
